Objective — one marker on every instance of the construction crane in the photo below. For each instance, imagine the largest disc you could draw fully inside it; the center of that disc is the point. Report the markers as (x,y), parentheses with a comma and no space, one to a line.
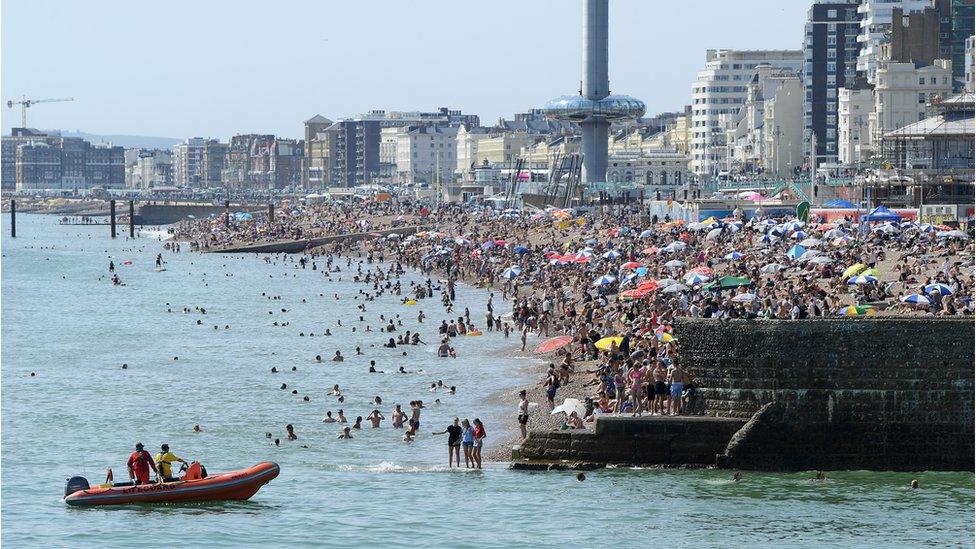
(25,103)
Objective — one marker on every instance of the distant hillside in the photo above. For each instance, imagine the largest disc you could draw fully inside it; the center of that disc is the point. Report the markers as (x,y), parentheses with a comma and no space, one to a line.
(127,141)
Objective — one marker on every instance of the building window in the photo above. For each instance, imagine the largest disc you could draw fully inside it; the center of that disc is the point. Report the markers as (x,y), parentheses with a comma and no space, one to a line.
(831,14)
(831,40)
(831,54)
(921,98)
(831,66)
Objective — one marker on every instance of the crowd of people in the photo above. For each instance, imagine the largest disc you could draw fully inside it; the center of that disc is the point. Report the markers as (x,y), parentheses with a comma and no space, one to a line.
(612,280)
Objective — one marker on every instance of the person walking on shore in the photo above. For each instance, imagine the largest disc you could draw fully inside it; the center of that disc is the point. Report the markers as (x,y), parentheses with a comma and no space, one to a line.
(523,413)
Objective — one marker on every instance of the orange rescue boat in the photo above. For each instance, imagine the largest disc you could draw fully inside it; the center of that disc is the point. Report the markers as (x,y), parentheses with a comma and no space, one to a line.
(195,486)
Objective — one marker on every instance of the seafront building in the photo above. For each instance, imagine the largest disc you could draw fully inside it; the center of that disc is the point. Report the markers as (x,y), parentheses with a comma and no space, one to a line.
(149,169)
(903,94)
(875,28)
(425,154)
(830,61)
(48,162)
(718,94)
(765,136)
(188,163)
(854,106)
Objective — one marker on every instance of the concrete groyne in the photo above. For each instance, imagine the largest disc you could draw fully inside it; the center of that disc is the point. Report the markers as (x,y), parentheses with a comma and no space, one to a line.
(303,245)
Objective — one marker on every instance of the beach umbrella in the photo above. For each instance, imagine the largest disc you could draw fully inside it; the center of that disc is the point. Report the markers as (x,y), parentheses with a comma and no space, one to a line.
(795,252)
(809,254)
(728,282)
(569,406)
(641,271)
(834,233)
(916,299)
(842,241)
(772,268)
(853,270)
(395,236)
(799,235)
(821,260)
(703,270)
(628,279)
(665,337)
(553,344)
(811,242)
(926,227)
(665,282)
(630,265)
(487,245)
(611,255)
(636,293)
(862,279)
(882,214)
(591,242)
(521,250)
(870,272)
(648,285)
(769,239)
(651,250)
(674,264)
(794,225)
(886,228)
(582,259)
(952,234)
(604,344)
(734,256)
(647,233)
(857,310)
(712,234)
(675,288)
(677,246)
(511,272)
(604,280)
(941,289)
(744,298)
(696,278)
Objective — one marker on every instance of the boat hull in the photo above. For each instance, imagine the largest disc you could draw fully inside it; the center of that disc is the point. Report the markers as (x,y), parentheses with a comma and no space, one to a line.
(233,485)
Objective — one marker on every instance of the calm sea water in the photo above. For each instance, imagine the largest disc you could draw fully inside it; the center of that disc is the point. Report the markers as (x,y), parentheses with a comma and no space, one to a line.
(81,413)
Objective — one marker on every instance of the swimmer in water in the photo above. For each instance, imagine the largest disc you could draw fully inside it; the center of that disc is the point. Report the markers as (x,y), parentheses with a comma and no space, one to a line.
(338,357)
(328,417)
(375,417)
(346,433)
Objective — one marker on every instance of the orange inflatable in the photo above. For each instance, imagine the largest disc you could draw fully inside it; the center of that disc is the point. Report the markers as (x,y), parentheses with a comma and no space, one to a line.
(194,486)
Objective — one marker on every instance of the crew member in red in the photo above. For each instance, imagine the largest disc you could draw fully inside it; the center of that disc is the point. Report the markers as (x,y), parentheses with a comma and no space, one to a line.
(139,464)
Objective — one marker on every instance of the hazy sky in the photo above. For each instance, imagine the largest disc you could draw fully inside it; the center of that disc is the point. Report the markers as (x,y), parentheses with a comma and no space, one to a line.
(213,68)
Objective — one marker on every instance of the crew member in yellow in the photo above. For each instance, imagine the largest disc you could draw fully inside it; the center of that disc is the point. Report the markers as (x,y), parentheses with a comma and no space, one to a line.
(165,460)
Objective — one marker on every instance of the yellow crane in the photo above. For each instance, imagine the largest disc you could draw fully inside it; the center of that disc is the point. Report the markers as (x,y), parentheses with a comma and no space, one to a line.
(26,103)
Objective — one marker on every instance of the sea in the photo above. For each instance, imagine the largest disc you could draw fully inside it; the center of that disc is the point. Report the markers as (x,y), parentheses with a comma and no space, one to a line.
(80,413)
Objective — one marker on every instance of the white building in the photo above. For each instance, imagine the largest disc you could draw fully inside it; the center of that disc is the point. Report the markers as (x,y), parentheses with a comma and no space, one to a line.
(426,154)
(468,138)
(875,24)
(188,162)
(783,129)
(717,95)
(663,170)
(152,168)
(903,94)
(854,107)
(747,136)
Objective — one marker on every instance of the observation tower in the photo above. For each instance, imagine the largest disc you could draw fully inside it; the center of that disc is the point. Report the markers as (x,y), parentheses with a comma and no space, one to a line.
(594,108)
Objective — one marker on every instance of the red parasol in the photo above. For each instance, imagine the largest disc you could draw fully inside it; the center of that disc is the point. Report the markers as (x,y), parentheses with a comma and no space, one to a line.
(553,344)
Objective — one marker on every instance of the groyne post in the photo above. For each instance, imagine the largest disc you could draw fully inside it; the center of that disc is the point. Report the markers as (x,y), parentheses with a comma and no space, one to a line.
(227,213)
(271,212)
(13,219)
(132,219)
(111,215)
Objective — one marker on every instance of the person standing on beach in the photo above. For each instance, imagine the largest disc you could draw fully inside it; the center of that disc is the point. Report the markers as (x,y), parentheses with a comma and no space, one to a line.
(523,413)
(479,441)
(675,376)
(453,432)
(467,442)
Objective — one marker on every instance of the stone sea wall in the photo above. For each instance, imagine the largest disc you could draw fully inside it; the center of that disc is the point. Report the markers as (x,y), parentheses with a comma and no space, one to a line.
(878,393)
(635,440)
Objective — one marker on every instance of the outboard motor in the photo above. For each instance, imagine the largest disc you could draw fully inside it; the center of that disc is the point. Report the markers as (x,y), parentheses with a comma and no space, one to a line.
(74,484)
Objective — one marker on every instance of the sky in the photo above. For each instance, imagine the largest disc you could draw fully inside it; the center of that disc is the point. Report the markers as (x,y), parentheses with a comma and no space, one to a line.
(215,68)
